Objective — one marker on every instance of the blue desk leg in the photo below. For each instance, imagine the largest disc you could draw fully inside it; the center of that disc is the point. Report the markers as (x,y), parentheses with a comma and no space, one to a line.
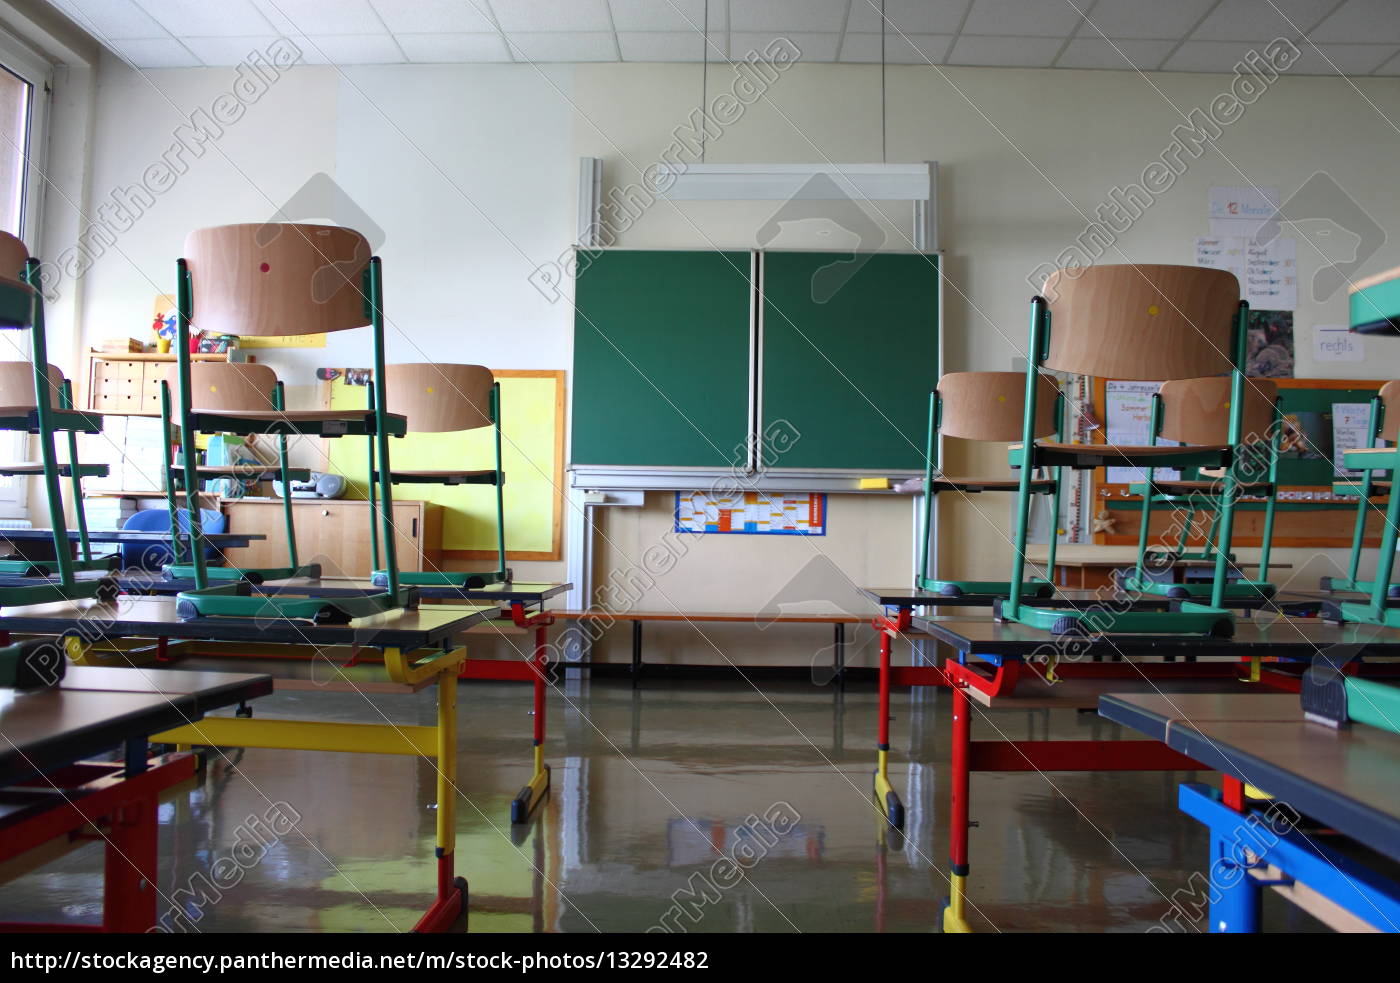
(1235,896)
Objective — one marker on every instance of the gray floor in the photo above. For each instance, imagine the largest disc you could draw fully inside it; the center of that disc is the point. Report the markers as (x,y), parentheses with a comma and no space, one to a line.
(650,789)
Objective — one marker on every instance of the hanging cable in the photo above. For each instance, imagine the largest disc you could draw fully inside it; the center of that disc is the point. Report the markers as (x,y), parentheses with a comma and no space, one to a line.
(883,157)
(705,78)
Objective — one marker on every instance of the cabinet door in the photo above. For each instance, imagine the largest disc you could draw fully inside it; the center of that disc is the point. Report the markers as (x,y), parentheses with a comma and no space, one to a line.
(332,533)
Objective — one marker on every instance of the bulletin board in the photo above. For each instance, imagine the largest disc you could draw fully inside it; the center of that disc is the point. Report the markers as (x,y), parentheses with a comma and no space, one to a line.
(532,449)
(1309,514)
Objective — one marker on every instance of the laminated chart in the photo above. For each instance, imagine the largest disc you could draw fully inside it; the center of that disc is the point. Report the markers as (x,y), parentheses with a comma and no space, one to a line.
(751,513)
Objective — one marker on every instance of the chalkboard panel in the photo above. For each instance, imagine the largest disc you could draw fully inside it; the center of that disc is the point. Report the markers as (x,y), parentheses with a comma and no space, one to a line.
(662,356)
(850,354)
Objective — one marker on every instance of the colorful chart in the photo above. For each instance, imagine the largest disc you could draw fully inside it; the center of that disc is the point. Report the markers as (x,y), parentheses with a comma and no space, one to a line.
(751,513)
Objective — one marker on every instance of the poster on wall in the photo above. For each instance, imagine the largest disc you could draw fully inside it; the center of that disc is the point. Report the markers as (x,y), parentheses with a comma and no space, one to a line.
(1128,423)
(1269,350)
(751,513)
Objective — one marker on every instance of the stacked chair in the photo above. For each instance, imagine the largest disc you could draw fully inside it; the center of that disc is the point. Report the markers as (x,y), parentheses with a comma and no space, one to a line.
(1141,322)
(237,388)
(30,409)
(986,406)
(437,398)
(1196,412)
(280,279)
(1372,491)
(1385,458)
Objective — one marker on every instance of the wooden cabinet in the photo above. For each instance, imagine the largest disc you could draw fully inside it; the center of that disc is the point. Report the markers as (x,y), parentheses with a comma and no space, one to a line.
(129,383)
(334,533)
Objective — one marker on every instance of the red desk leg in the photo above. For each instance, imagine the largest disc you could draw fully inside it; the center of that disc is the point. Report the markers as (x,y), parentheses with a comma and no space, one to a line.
(885,795)
(533,792)
(954,919)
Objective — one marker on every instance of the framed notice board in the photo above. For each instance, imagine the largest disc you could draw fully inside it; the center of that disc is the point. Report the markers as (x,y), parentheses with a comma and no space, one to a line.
(1320,416)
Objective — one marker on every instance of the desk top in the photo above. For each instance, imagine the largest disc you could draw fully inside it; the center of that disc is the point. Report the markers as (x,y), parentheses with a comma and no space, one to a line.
(154,617)
(1295,637)
(128,536)
(1343,778)
(528,592)
(914,597)
(95,710)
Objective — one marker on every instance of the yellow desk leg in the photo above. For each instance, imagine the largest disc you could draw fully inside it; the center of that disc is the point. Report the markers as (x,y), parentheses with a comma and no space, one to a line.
(451,900)
(953,919)
(534,791)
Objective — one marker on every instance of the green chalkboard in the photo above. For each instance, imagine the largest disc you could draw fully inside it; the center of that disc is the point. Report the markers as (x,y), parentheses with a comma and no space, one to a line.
(662,357)
(850,354)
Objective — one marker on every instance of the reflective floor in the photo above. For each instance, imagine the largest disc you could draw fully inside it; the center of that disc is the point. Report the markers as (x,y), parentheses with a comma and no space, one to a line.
(661,798)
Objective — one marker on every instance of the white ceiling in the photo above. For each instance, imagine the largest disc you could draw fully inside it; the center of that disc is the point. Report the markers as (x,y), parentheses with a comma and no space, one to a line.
(1350,37)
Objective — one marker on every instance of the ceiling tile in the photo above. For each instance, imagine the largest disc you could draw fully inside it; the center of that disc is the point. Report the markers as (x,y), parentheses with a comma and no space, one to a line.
(317,17)
(1124,55)
(551,15)
(908,16)
(1391,67)
(1341,59)
(813,16)
(201,18)
(563,47)
(670,46)
(1251,20)
(909,49)
(646,16)
(349,49)
(155,53)
(228,51)
(1361,20)
(111,19)
(1142,18)
(453,48)
(1209,56)
(1023,18)
(1012,52)
(811,47)
(432,16)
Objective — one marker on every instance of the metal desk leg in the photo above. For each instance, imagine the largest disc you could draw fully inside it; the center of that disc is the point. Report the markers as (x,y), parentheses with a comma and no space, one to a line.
(839,665)
(885,795)
(534,791)
(954,919)
(452,890)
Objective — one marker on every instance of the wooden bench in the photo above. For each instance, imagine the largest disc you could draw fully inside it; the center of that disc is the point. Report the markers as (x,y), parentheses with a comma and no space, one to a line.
(638,618)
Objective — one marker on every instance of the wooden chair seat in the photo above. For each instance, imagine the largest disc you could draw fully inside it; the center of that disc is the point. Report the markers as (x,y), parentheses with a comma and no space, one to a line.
(974,485)
(480,476)
(294,416)
(64,470)
(1050,453)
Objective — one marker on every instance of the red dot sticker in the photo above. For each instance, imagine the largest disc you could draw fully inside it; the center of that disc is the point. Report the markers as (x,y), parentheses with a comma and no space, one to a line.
(264,267)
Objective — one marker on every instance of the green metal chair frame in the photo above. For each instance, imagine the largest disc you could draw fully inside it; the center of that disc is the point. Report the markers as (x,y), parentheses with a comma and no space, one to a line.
(183,568)
(280,279)
(1133,322)
(22,306)
(1385,417)
(977,395)
(1386,426)
(414,396)
(1246,460)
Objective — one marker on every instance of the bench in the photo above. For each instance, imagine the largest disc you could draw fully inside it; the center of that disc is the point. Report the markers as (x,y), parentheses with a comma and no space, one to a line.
(638,618)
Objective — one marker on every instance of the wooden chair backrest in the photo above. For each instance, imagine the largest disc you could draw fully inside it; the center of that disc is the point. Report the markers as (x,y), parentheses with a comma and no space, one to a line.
(277,279)
(1390,421)
(1197,411)
(991,405)
(440,398)
(17,385)
(14,255)
(1142,322)
(226,387)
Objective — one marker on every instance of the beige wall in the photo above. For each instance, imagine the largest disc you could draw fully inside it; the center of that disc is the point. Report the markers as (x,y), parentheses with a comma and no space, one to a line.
(471,172)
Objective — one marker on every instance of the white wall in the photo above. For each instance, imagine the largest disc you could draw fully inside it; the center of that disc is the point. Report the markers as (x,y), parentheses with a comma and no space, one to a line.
(471,171)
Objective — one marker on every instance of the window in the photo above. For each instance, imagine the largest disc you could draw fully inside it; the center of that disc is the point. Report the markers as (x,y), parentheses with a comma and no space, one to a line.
(24,90)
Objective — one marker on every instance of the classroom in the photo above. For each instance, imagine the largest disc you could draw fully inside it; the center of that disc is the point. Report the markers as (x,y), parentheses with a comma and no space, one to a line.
(949,449)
